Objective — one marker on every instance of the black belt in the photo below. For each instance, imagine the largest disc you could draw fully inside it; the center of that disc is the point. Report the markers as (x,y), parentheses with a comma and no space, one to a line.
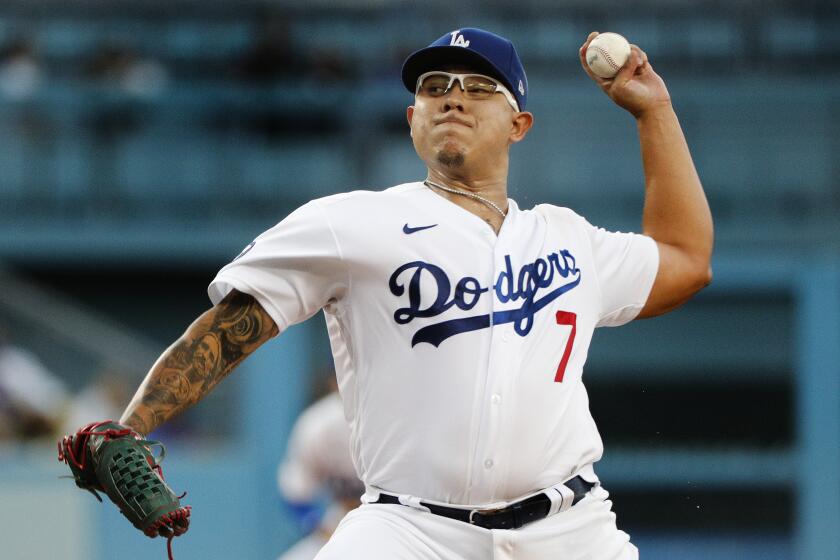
(513,516)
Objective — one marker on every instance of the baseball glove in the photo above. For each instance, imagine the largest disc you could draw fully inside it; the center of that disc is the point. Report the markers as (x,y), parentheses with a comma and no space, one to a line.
(112,458)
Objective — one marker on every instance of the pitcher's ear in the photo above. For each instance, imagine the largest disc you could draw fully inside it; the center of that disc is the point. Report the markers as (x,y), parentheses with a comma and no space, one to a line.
(522,123)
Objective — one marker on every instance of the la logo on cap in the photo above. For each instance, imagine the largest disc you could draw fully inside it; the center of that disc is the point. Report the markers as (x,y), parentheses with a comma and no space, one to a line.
(458,39)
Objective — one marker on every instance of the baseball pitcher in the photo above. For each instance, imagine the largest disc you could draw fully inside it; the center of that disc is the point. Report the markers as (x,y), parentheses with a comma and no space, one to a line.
(459,322)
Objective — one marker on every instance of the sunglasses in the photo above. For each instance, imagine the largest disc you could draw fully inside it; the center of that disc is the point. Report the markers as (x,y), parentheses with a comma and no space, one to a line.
(474,86)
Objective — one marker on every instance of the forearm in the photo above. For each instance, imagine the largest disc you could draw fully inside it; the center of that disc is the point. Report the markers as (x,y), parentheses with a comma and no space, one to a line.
(676,212)
(207,352)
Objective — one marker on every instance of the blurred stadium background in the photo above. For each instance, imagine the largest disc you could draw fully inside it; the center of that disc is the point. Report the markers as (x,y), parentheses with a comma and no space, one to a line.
(145,143)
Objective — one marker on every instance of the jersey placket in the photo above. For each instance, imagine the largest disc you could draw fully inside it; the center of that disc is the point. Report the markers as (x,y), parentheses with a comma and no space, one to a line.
(490,461)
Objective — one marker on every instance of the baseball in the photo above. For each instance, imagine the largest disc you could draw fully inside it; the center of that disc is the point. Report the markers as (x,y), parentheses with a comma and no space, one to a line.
(607,53)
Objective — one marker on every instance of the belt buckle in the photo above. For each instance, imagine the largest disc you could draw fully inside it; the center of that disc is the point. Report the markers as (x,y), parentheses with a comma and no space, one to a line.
(482,512)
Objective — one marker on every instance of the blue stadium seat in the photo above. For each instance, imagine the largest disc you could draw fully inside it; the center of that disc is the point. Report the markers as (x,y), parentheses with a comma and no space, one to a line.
(790,35)
(299,170)
(394,162)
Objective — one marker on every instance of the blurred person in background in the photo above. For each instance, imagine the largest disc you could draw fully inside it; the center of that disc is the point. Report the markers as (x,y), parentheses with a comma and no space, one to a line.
(121,68)
(125,81)
(317,466)
(274,60)
(273,55)
(31,397)
(25,123)
(21,73)
(102,398)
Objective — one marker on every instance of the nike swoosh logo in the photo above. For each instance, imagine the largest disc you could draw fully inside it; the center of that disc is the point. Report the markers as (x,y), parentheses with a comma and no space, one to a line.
(409,230)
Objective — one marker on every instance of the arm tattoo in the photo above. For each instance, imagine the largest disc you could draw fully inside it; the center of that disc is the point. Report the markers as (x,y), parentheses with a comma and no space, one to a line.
(189,369)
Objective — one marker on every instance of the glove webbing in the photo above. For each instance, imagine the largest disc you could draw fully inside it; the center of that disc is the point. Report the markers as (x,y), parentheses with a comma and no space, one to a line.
(66,451)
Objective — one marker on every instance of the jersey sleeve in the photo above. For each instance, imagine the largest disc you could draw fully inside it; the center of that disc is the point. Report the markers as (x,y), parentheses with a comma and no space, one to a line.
(293,270)
(625,265)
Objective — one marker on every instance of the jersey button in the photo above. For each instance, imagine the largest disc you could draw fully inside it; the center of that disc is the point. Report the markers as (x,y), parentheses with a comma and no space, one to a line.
(496,399)
(488,463)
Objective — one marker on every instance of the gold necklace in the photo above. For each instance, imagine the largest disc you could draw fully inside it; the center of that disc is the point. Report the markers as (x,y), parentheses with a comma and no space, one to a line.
(468,194)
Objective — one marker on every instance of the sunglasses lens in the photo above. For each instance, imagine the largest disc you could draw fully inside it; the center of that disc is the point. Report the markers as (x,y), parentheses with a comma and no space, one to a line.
(434,85)
(479,86)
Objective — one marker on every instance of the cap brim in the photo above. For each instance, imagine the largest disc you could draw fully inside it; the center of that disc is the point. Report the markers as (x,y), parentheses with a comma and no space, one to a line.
(432,58)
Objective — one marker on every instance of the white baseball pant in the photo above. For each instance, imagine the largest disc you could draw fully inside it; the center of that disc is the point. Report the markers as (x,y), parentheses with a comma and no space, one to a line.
(587,531)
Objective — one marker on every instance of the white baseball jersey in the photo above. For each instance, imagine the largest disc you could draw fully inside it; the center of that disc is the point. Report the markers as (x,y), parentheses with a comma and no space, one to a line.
(459,353)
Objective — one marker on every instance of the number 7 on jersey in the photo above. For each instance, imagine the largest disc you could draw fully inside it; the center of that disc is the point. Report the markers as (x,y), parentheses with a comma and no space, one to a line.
(566,318)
